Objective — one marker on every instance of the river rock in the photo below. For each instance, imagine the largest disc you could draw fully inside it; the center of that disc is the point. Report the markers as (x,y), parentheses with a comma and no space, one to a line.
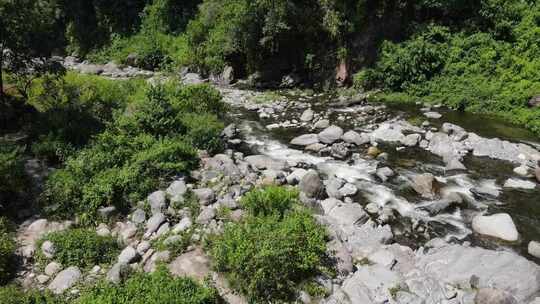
(426,185)
(433,115)
(117,272)
(52,268)
(153,223)
(48,249)
(388,133)
(177,189)
(296,176)
(339,150)
(522,171)
(384,173)
(370,284)
(498,225)
(128,255)
(206,196)
(455,132)
(456,264)
(184,224)
(307,115)
(519,184)
(500,149)
(65,280)
(493,296)
(348,190)
(305,140)
(412,140)
(534,249)
(353,137)
(333,185)
(331,134)
(315,147)
(206,215)
(322,124)
(157,201)
(311,184)
(343,259)
(138,216)
(348,214)
(373,151)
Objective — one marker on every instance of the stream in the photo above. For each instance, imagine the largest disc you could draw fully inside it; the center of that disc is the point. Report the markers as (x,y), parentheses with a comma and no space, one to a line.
(415,220)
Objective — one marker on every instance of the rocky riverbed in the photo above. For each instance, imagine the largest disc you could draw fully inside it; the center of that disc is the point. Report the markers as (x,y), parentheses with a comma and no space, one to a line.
(418,211)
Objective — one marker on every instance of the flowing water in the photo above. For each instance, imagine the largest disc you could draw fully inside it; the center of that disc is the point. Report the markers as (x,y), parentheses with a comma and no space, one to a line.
(416,220)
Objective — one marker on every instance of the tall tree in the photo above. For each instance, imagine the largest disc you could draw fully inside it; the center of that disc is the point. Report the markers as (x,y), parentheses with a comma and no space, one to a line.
(28,35)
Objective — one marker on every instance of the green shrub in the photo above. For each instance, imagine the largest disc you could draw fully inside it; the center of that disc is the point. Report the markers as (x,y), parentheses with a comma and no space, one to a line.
(158,287)
(13,179)
(204,131)
(81,247)
(7,251)
(73,108)
(151,141)
(270,200)
(12,294)
(267,257)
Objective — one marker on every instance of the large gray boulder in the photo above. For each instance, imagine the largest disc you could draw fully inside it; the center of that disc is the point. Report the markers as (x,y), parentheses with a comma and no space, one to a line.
(353,137)
(311,184)
(177,189)
(455,265)
(331,134)
(65,280)
(498,225)
(534,249)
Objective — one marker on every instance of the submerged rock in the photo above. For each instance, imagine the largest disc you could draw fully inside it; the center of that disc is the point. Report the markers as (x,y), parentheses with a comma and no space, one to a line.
(519,184)
(498,225)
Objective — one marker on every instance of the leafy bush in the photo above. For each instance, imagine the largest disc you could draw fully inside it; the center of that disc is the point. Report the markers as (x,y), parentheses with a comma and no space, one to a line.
(270,200)
(204,131)
(7,251)
(158,287)
(81,247)
(151,141)
(266,257)
(12,294)
(496,71)
(73,108)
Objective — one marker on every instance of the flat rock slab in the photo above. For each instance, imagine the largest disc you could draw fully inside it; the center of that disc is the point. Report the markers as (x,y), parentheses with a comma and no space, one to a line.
(498,225)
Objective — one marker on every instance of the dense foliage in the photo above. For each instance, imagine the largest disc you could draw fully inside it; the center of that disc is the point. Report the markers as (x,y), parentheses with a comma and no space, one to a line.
(158,287)
(151,140)
(81,247)
(12,294)
(495,72)
(269,201)
(7,251)
(267,255)
(13,180)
